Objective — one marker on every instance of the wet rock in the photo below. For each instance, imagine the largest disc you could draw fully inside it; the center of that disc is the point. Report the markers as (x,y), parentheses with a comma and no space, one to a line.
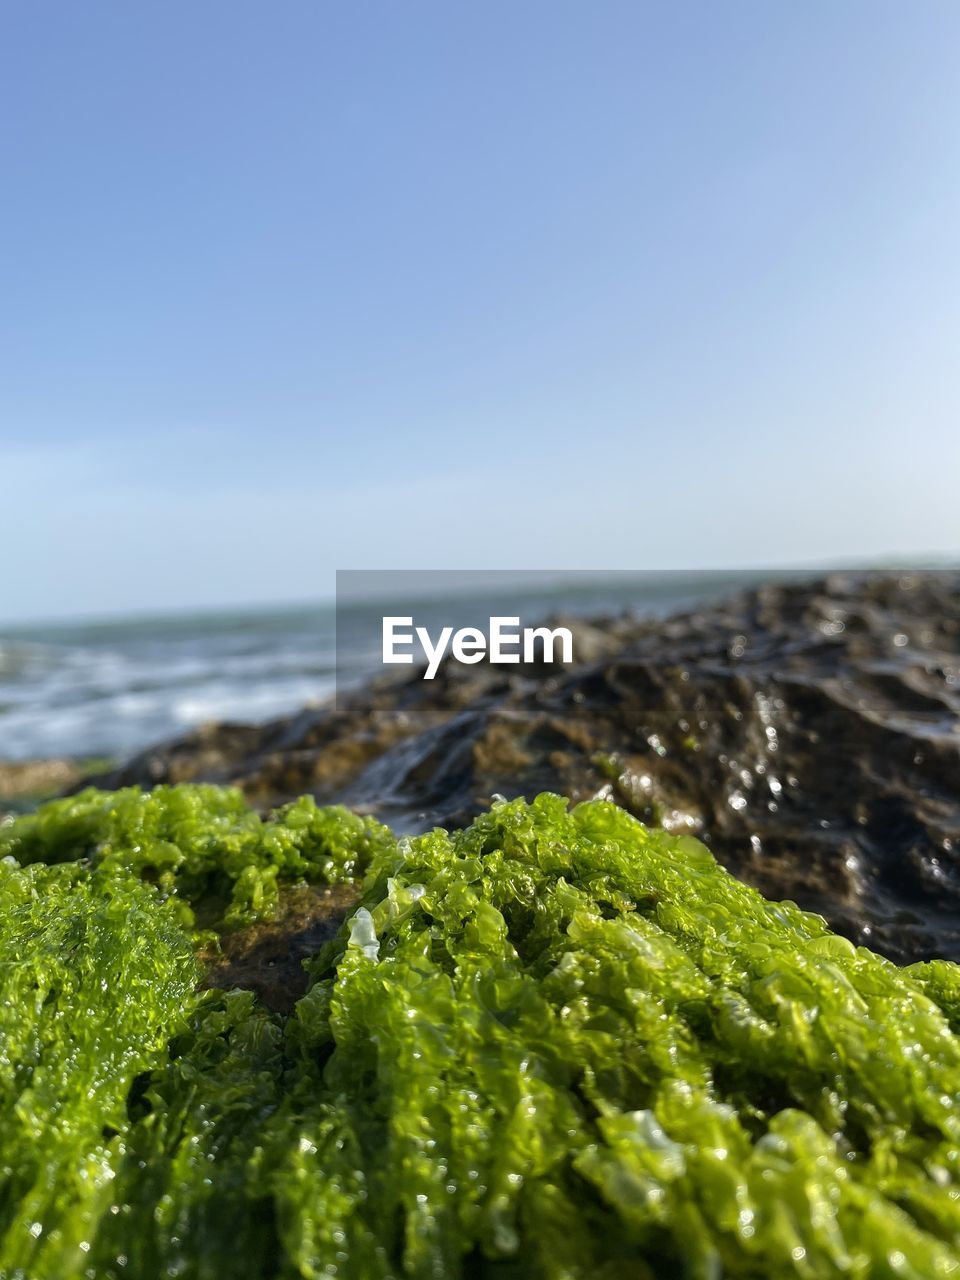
(268,958)
(809,733)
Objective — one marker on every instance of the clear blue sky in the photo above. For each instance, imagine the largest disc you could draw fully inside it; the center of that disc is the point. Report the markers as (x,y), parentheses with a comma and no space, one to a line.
(298,286)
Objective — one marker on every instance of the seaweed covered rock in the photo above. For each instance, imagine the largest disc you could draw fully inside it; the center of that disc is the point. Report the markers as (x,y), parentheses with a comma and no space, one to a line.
(554,1044)
(807,731)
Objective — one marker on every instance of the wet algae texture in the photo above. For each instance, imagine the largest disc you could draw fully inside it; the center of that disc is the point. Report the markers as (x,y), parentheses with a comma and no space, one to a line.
(554,1044)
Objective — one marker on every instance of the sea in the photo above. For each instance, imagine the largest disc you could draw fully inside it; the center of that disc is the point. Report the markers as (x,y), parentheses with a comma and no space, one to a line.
(106,688)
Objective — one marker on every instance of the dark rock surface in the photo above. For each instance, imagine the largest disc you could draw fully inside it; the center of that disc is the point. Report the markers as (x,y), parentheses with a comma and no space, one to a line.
(268,958)
(809,733)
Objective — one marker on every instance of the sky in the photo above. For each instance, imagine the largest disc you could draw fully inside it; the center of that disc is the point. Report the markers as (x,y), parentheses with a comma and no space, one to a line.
(299,287)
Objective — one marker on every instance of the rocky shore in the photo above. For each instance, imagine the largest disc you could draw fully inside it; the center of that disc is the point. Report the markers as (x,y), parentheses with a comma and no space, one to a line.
(22,782)
(809,734)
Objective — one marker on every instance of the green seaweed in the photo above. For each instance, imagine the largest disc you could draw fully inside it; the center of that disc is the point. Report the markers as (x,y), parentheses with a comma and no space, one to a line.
(94,975)
(556,1044)
(199,844)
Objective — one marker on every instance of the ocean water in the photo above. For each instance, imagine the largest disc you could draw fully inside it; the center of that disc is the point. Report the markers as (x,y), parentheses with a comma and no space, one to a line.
(110,688)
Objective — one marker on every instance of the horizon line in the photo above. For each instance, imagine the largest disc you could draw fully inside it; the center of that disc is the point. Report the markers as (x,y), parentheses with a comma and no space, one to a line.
(928,562)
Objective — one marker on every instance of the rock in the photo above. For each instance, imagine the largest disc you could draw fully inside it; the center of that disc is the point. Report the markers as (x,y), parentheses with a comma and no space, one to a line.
(268,958)
(24,781)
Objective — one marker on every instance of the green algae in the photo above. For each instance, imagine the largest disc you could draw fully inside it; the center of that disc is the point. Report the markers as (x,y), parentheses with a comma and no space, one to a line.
(556,1044)
(203,846)
(94,975)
